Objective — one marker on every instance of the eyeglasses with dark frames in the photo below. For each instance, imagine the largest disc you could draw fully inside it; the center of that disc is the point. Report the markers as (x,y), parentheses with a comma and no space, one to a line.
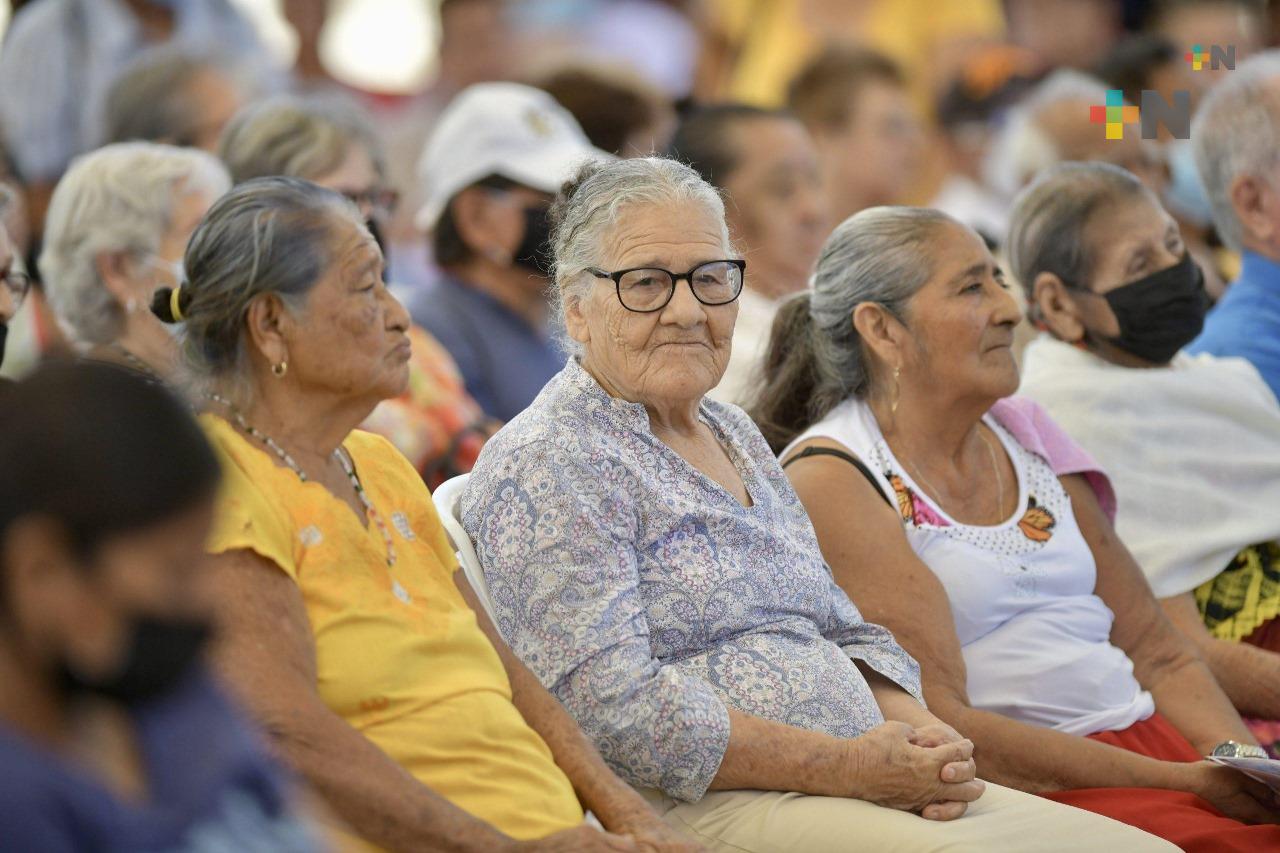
(648,289)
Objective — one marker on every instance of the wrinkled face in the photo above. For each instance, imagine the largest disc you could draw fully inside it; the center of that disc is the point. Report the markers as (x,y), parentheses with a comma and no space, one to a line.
(874,157)
(676,354)
(776,208)
(962,322)
(349,340)
(1129,241)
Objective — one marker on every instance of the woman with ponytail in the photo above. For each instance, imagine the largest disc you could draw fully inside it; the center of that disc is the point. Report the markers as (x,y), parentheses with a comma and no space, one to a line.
(973,528)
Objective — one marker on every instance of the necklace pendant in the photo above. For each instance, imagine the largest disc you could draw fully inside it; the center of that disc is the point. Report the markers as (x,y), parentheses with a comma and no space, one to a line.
(400,592)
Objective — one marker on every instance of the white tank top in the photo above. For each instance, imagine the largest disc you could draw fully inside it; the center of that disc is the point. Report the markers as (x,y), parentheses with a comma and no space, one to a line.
(1035,637)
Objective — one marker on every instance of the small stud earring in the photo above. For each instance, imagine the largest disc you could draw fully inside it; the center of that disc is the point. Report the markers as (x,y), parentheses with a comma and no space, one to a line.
(280,369)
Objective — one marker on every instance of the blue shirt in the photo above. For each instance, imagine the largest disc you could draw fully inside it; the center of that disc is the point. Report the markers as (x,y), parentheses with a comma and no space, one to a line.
(1246,321)
(650,601)
(209,788)
(504,361)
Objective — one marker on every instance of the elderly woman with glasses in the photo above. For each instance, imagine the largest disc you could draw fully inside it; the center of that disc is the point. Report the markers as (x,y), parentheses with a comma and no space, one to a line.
(649,562)
(118,223)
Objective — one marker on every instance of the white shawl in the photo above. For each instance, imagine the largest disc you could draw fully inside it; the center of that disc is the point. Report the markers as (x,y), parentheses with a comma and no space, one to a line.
(1193,451)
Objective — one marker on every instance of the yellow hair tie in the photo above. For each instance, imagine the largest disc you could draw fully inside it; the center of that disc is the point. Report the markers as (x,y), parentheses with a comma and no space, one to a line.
(173,304)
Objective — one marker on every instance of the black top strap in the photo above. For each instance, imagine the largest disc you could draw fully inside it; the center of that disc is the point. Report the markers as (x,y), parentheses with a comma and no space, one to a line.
(847,457)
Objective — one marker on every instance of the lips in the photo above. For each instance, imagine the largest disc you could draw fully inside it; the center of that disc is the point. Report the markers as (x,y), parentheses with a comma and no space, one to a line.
(403,350)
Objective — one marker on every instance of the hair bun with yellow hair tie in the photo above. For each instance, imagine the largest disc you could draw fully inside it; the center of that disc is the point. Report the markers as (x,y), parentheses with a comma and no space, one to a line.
(169,303)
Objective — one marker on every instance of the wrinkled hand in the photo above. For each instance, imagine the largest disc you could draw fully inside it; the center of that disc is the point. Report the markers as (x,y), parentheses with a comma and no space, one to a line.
(939,733)
(580,839)
(887,768)
(1233,793)
(650,833)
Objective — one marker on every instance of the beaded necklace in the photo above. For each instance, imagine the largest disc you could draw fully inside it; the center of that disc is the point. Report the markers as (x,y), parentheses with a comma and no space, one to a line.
(338,454)
(138,364)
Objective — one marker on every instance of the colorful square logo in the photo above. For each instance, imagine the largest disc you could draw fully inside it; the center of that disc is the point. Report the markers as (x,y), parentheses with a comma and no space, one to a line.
(1198,57)
(1114,115)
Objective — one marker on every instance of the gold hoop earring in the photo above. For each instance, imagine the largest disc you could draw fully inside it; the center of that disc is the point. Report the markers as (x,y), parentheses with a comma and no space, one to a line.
(280,369)
(893,407)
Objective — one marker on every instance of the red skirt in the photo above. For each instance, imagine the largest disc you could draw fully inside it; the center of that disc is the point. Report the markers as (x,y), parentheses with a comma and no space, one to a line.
(1184,819)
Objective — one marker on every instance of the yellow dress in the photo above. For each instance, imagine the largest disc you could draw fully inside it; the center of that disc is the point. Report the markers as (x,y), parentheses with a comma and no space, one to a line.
(399,654)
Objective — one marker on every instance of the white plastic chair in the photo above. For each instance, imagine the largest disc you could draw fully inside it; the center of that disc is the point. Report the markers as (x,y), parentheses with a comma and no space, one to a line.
(447,497)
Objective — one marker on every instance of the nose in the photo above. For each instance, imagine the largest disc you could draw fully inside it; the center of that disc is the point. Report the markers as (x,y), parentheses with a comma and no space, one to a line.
(684,309)
(1008,312)
(398,319)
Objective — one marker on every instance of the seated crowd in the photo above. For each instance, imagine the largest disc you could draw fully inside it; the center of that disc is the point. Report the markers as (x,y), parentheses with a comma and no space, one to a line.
(770,512)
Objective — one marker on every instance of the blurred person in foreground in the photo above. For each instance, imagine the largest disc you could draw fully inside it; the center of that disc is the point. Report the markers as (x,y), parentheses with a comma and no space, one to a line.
(647,557)
(869,138)
(118,225)
(435,423)
(113,736)
(767,168)
(346,627)
(1192,443)
(498,154)
(981,534)
(1236,139)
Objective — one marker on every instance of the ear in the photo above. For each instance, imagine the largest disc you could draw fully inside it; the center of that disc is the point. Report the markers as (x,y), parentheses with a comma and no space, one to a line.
(117,272)
(1052,299)
(880,331)
(1256,206)
(270,327)
(575,322)
(38,564)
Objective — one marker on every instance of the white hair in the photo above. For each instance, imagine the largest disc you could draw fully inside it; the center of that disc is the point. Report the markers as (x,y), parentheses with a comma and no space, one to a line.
(593,202)
(119,198)
(1236,131)
(1022,148)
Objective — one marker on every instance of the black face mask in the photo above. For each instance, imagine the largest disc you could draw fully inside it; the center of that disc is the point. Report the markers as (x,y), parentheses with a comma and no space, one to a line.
(1159,314)
(159,653)
(4,333)
(534,251)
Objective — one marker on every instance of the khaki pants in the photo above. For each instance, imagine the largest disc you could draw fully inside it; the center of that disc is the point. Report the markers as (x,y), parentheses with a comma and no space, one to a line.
(1002,819)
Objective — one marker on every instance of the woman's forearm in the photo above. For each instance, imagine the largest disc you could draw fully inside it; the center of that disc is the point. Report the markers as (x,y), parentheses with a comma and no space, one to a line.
(896,703)
(1187,695)
(1040,760)
(380,801)
(766,756)
(1250,676)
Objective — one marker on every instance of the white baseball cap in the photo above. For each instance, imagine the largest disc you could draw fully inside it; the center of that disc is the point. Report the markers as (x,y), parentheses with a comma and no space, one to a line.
(507,129)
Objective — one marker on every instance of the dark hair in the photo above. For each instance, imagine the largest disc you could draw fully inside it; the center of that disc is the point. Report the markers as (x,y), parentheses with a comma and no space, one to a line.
(149,100)
(705,140)
(99,449)
(1130,64)
(610,107)
(822,94)
(447,246)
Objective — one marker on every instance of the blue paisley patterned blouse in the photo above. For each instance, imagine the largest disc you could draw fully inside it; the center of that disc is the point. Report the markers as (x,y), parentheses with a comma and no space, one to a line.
(650,601)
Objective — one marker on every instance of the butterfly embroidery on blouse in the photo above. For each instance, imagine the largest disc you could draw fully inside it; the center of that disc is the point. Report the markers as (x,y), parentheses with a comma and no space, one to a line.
(912,509)
(1037,523)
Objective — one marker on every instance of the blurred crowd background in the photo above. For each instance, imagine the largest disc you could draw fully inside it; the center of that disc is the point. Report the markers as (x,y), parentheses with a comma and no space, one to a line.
(954,104)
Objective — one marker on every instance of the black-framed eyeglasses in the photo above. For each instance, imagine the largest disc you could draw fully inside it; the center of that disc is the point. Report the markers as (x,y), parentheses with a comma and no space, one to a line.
(648,289)
(19,284)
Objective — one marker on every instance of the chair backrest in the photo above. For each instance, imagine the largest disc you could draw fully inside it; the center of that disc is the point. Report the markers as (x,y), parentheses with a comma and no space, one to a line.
(447,496)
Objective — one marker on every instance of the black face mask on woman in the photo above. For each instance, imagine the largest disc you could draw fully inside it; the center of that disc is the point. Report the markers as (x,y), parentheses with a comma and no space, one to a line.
(159,652)
(534,251)
(1160,313)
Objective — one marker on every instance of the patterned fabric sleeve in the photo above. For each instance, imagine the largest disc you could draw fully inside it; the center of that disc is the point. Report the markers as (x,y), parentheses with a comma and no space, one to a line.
(871,644)
(556,535)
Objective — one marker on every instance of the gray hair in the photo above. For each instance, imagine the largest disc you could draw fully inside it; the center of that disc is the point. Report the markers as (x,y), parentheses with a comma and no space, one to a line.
(1049,217)
(296,136)
(149,99)
(592,203)
(1236,131)
(118,199)
(266,236)
(816,358)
